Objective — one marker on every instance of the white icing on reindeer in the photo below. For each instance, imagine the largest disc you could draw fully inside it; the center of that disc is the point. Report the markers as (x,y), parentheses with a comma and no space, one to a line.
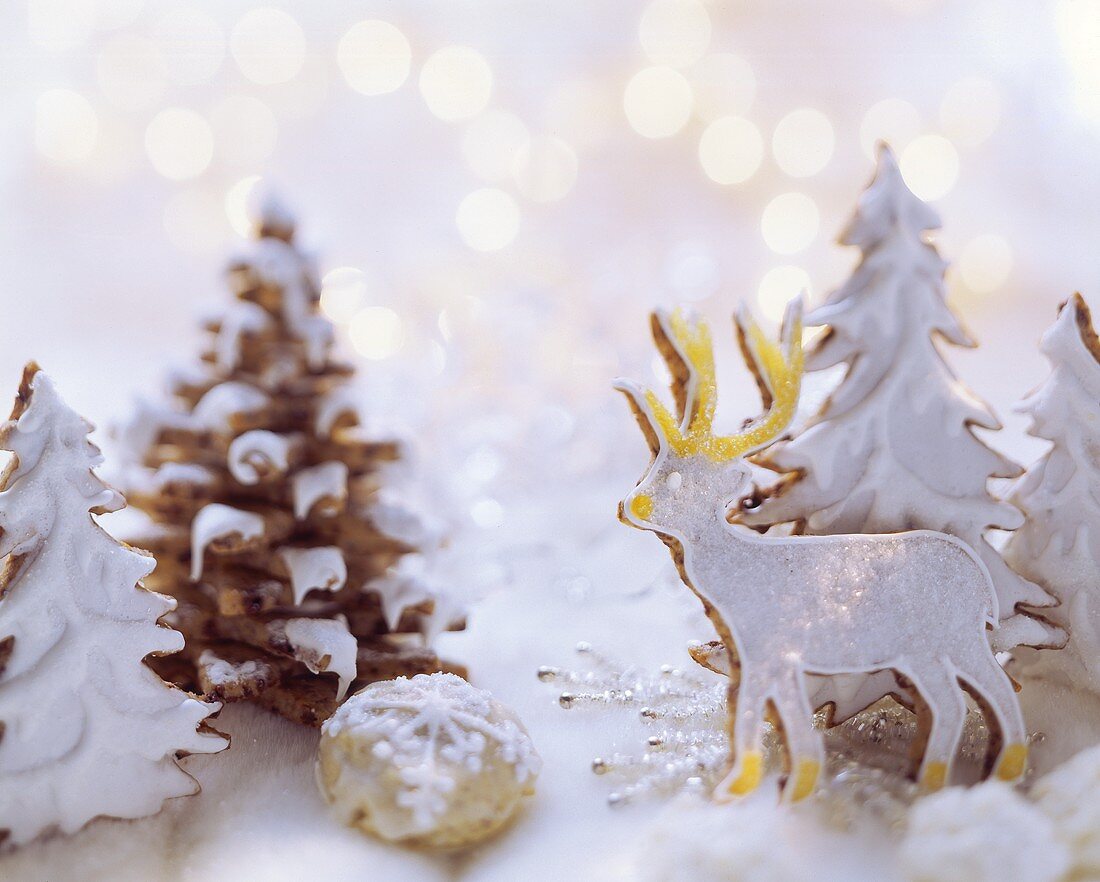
(916,603)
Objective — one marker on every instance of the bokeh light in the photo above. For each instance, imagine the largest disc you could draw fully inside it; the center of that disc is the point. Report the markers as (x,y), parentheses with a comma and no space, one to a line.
(731,150)
(59,25)
(179,143)
(724,85)
(985,263)
(803,142)
(374,57)
(970,111)
(191,43)
(268,46)
(239,201)
(583,111)
(113,14)
(790,223)
(490,143)
(194,222)
(245,130)
(692,271)
(343,293)
(892,120)
(488,219)
(545,169)
(130,72)
(674,32)
(376,332)
(65,126)
(456,83)
(779,287)
(930,166)
(1078,27)
(657,102)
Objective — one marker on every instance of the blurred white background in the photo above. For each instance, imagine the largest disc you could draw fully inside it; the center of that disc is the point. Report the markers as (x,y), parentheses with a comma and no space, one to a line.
(545,172)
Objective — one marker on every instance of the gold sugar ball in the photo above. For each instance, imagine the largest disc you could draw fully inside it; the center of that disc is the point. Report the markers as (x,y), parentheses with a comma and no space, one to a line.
(430,762)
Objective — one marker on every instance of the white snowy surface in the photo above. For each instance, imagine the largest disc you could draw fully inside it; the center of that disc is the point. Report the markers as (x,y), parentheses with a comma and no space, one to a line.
(260,816)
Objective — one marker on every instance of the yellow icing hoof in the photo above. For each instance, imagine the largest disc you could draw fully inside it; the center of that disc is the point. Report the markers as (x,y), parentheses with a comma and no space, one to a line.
(751,763)
(641,507)
(933,776)
(1012,763)
(805,778)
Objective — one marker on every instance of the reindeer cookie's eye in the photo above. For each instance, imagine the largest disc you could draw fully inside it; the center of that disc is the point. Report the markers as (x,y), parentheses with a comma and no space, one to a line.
(674,481)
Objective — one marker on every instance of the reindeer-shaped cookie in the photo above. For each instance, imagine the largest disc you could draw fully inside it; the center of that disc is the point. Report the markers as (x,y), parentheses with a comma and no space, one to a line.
(917,603)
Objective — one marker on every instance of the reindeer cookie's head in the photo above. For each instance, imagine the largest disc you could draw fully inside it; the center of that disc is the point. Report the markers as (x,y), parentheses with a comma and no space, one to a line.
(692,467)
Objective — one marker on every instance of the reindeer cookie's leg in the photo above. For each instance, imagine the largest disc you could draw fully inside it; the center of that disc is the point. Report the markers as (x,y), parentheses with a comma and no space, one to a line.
(996,694)
(941,695)
(804,744)
(747,703)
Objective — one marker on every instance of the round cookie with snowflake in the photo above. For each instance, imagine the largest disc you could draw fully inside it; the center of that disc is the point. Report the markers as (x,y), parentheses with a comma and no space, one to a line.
(429,761)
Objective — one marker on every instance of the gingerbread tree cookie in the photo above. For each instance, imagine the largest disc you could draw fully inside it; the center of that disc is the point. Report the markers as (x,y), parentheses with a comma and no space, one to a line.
(270,525)
(86,729)
(1059,543)
(894,446)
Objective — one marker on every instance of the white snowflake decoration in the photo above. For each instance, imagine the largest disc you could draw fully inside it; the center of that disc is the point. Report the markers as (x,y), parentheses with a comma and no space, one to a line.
(686,749)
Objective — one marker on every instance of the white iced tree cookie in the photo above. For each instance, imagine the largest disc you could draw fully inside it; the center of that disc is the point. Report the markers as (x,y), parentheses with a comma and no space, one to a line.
(86,728)
(1059,544)
(893,448)
(429,761)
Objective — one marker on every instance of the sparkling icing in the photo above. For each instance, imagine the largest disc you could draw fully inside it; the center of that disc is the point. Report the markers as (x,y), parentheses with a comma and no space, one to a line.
(916,602)
(218,406)
(324,645)
(328,480)
(87,729)
(987,833)
(258,451)
(418,721)
(314,569)
(218,521)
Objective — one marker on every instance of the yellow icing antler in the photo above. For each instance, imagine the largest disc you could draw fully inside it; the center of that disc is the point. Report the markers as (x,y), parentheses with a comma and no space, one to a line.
(686,346)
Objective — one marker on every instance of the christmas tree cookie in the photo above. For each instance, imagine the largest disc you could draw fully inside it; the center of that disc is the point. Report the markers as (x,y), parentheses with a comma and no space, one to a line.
(269,523)
(86,728)
(894,446)
(1059,543)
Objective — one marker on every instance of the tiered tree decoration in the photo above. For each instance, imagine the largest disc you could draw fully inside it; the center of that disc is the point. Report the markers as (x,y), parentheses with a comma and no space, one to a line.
(86,728)
(265,492)
(1059,543)
(893,448)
